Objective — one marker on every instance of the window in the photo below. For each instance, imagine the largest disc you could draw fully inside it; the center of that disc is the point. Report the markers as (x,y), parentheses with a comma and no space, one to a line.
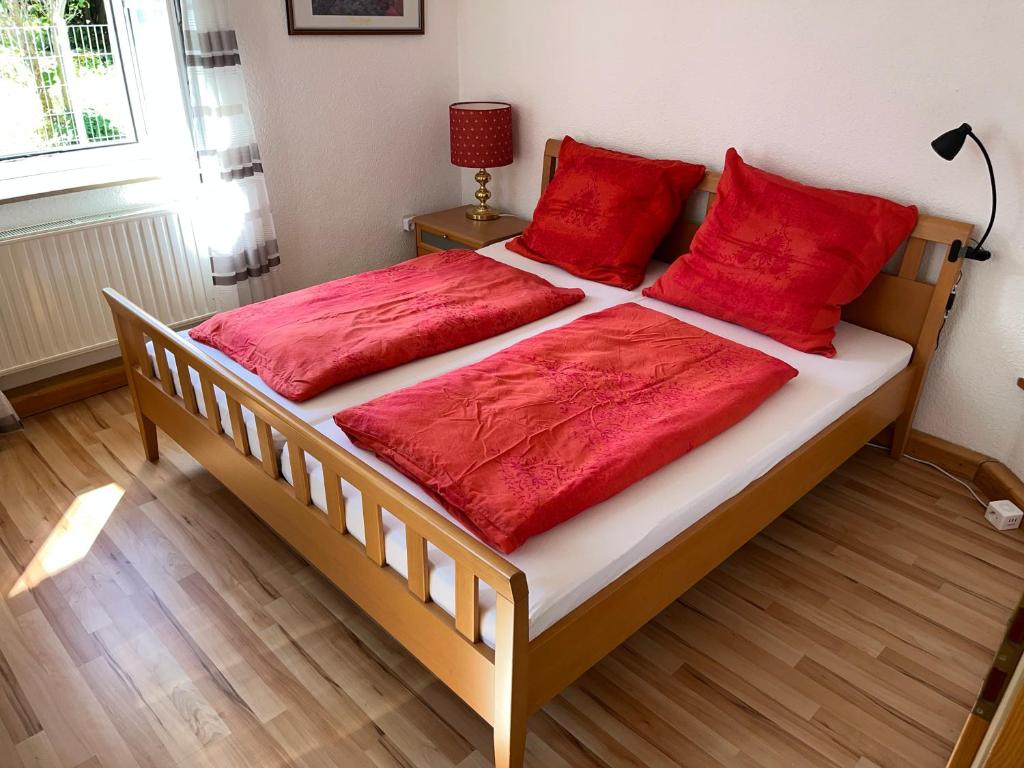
(91,93)
(62,77)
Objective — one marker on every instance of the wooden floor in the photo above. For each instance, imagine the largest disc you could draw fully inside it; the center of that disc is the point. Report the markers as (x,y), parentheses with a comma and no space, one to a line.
(148,619)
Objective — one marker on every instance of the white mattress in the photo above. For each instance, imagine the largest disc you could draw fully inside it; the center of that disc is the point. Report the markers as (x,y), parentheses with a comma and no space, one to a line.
(572,562)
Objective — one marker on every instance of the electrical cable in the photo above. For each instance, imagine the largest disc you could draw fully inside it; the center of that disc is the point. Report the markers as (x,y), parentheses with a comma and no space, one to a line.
(953,477)
(949,307)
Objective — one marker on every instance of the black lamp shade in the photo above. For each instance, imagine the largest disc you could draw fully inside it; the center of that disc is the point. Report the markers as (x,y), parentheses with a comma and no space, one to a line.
(949,144)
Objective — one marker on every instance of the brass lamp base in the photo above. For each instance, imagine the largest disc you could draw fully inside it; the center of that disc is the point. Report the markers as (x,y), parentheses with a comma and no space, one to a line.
(482,211)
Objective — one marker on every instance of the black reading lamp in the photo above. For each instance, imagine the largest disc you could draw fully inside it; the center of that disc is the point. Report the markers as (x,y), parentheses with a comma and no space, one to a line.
(948,146)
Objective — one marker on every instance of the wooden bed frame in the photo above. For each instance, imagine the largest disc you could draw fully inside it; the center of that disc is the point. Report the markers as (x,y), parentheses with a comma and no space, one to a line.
(506,685)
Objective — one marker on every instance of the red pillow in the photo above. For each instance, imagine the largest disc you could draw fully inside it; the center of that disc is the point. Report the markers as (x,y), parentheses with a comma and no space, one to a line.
(782,258)
(605,212)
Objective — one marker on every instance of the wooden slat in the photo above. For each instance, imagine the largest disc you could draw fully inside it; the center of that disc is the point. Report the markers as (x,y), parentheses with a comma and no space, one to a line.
(416,556)
(300,479)
(210,400)
(135,340)
(239,434)
(188,394)
(164,370)
(267,454)
(912,256)
(335,501)
(938,230)
(373,527)
(551,150)
(467,603)
(893,306)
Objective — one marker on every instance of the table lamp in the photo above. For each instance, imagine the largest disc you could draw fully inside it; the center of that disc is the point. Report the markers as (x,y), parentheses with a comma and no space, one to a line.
(481,134)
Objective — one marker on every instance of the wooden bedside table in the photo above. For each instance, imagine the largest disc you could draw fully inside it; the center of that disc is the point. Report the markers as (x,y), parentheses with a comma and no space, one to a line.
(445,230)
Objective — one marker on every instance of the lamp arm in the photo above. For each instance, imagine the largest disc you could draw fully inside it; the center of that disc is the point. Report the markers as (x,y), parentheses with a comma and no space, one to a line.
(992,178)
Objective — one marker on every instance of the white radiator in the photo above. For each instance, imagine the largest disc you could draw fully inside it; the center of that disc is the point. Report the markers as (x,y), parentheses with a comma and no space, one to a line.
(51,277)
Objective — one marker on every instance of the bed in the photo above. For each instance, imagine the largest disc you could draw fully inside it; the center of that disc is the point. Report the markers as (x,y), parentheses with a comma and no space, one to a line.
(506,633)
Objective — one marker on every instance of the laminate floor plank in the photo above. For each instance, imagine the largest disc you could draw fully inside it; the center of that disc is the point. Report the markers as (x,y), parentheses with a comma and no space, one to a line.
(148,619)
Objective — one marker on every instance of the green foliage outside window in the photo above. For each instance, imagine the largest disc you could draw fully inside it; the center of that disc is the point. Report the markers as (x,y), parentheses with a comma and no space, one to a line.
(44,12)
(33,29)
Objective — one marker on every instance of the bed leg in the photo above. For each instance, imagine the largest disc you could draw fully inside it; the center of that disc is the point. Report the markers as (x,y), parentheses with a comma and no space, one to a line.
(510,655)
(148,431)
(901,436)
(510,744)
(905,423)
(133,352)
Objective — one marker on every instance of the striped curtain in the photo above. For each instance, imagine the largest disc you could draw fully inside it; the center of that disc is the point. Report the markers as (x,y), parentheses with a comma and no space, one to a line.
(9,421)
(233,219)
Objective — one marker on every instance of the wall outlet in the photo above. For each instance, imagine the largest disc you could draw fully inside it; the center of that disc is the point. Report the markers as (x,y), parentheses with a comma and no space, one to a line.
(1004,515)
(409,223)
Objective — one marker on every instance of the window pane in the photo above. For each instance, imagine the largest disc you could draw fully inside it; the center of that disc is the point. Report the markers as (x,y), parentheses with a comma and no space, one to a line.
(62,84)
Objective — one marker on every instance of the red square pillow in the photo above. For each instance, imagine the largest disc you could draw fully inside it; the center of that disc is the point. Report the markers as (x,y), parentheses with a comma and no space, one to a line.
(782,258)
(604,213)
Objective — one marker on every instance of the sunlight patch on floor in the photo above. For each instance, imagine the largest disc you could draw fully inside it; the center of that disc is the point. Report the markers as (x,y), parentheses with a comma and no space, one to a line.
(72,538)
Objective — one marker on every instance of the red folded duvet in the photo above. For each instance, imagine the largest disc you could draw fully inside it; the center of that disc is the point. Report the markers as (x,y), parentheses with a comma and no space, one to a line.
(539,432)
(306,342)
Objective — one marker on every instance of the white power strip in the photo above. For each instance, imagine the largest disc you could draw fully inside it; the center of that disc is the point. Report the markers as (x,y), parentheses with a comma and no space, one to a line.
(1004,515)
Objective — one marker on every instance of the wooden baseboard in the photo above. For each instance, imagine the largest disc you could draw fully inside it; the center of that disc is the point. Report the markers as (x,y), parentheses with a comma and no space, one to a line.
(997,482)
(70,387)
(993,478)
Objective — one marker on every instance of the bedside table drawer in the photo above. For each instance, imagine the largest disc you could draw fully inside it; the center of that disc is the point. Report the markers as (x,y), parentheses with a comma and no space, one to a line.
(441,242)
(451,230)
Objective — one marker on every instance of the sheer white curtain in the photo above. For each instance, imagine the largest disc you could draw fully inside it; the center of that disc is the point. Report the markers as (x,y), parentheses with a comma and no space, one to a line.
(234,223)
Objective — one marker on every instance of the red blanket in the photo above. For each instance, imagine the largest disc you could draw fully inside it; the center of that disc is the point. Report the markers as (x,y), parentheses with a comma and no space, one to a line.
(308,341)
(539,432)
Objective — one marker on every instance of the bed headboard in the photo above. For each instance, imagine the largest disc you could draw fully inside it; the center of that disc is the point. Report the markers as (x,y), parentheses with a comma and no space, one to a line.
(902,304)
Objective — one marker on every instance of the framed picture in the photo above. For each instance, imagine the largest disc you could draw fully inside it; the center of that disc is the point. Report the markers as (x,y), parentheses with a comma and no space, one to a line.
(355,17)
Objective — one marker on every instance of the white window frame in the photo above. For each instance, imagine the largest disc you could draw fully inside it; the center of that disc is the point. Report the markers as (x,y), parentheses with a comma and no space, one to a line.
(163,143)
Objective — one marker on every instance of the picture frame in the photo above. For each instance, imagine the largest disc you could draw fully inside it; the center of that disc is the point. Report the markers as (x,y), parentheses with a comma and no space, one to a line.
(355,17)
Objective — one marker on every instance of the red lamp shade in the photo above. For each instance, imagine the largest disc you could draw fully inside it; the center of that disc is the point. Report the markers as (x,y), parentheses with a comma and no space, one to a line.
(481,134)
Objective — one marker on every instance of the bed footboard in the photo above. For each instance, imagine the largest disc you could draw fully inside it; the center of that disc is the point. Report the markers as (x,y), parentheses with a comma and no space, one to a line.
(493,683)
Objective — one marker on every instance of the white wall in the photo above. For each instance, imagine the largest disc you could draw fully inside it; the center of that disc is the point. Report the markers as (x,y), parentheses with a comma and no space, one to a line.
(841,94)
(353,131)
